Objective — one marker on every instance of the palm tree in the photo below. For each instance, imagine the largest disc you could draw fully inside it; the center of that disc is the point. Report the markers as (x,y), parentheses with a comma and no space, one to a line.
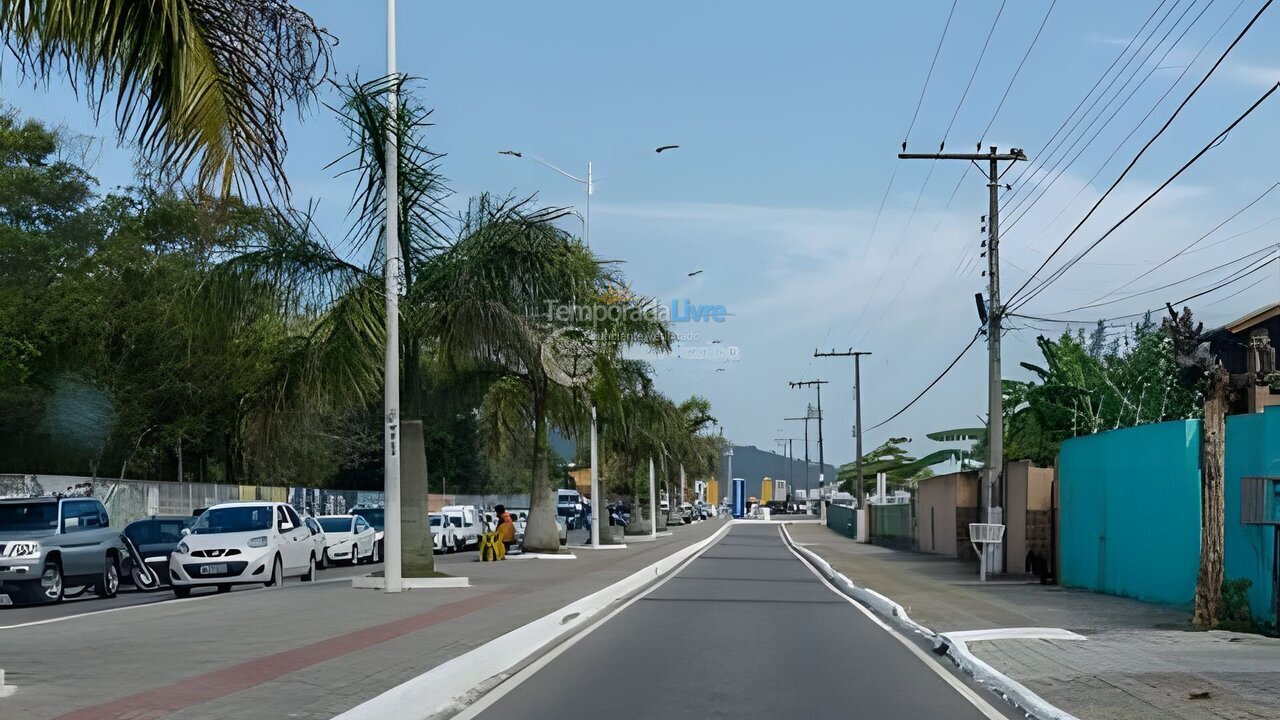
(503,300)
(197,84)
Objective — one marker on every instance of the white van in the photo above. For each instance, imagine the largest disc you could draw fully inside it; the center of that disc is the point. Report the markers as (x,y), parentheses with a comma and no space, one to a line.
(467,521)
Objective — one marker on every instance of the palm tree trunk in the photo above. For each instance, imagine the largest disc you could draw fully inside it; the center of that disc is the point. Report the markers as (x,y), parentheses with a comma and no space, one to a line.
(541,534)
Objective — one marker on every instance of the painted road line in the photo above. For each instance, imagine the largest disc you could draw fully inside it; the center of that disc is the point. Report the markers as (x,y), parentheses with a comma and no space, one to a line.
(452,685)
(965,691)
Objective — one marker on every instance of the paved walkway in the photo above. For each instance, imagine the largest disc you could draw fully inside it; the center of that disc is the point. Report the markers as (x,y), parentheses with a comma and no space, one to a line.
(302,651)
(1140,661)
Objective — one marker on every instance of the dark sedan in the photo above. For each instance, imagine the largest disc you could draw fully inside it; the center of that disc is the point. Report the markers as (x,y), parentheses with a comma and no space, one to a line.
(154,538)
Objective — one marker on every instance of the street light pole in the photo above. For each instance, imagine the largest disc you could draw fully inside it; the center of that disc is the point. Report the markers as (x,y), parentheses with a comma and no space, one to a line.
(393,581)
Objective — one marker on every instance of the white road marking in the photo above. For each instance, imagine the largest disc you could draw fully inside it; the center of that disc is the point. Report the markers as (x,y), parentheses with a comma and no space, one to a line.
(965,691)
(505,687)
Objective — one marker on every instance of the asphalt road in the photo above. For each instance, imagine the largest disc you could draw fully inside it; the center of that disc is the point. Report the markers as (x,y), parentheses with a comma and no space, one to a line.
(744,631)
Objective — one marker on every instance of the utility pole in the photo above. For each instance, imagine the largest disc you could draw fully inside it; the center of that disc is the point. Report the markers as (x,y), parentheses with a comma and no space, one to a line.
(857,406)
(995,311)
(806,420)
(822,463)
(393,576)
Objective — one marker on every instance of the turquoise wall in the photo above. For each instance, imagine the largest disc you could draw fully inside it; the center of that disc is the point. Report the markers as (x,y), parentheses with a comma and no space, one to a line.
(1129,512)
(1253,450)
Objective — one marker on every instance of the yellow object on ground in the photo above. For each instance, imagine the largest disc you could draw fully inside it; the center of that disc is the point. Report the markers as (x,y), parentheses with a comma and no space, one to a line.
(491,547)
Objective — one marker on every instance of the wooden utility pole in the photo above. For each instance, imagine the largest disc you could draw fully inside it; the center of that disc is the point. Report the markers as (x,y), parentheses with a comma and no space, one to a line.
(995,311)
(857,408)
(1212,468)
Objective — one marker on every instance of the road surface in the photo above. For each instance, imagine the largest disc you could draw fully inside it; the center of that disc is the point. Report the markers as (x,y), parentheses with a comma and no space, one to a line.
(746,630)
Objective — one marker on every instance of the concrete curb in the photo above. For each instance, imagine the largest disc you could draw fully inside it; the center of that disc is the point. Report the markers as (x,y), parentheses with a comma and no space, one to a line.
(866,596)
(955,643)
(6,690)
(1013,691)
(369,582)
(448,688)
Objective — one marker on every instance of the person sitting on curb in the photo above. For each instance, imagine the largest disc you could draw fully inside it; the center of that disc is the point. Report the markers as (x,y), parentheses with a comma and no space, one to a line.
(506,526)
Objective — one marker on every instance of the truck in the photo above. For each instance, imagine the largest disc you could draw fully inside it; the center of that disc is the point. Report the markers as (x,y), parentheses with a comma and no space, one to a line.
(467,521)
(49,544)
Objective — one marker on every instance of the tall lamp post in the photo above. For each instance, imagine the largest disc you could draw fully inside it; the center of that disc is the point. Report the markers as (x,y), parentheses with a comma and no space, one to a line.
(392,576)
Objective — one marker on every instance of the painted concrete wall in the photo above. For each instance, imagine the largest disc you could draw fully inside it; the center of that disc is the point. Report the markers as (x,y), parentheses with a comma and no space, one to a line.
(1130,512)
(1253,450)
(1028,489)
(940,497)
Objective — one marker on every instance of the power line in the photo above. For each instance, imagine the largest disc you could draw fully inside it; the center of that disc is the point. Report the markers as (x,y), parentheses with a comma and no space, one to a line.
(1202,273)
(929,75)
(1021,62)
(1231,280)
(1016,180)
(1151,142)
(1058,170)
(929,387)
(1195,242)
(972,75)
(1186,68)
(1053,153)
(1217,140)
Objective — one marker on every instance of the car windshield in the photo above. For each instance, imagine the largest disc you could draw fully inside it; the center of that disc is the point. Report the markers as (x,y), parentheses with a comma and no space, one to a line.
(335,525)
(455,521)
(374,517)
(436,521)
(234,519)
(19,517)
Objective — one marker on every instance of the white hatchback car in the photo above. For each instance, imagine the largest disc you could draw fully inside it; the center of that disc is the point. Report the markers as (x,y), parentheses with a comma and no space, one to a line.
(243,543)
(348,538)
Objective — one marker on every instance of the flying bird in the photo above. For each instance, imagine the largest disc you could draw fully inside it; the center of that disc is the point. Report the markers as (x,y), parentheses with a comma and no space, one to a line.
(667,147)
(719,369)
(512,153)
(695,272)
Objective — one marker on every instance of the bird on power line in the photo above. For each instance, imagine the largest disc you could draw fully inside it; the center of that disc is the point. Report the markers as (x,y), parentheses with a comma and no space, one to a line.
(666,147)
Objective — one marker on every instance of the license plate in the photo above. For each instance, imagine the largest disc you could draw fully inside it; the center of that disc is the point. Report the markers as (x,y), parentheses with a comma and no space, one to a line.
(219,569)
(5,600)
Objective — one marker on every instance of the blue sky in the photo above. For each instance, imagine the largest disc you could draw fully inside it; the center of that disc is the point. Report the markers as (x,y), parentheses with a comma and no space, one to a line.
(789,118)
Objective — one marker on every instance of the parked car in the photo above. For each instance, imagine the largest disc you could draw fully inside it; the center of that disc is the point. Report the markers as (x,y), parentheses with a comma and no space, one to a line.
(376,517)
(243,543)
(444,535)
(686,513)
(347,538)
(48,544)
(153,539)
(317,539)
(777,507)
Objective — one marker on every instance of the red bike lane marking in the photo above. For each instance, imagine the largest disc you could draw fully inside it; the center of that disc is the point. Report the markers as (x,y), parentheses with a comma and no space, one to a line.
(197,689)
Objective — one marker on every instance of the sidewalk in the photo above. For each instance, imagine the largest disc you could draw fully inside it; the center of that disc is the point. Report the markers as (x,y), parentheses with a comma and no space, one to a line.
(305,651)
(1139,661)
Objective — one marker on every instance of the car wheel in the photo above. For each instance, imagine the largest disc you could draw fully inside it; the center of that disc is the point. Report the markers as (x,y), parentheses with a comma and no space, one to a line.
(48,589)
(224,589)
(459,545)
(311,569)
(277,574)
(324,559)
(143,578)
(355,554)
(109,584)
(377,553)
(181,591)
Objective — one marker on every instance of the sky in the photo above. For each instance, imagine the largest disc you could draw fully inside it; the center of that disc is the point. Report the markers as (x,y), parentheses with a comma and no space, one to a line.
(786,190)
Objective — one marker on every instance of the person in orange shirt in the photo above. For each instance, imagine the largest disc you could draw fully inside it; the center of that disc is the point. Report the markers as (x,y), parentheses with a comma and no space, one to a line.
(506,526)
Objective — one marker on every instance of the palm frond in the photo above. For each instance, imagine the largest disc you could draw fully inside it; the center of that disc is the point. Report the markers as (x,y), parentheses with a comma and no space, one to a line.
(197,84)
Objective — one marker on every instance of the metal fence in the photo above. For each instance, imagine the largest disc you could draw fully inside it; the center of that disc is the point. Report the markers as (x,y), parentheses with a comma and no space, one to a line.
(843,520)
(893,525)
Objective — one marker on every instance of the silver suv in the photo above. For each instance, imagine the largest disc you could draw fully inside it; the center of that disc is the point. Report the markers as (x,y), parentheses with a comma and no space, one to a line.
(48,544)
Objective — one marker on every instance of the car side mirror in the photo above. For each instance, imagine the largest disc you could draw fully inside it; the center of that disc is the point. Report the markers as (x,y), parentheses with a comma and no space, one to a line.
(186,532)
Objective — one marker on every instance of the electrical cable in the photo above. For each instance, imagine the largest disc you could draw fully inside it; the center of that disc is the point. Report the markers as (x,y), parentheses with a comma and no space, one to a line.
(929,75)
(974,74)
(1152,141)
(1007,88)
(1068,265)
(930,386)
